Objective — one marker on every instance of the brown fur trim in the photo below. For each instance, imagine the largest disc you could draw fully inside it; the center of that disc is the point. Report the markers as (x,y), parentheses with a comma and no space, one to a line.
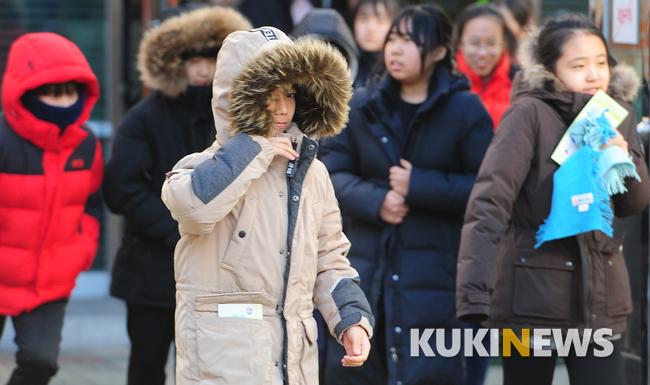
(323,83)
(624,82)
(159,56)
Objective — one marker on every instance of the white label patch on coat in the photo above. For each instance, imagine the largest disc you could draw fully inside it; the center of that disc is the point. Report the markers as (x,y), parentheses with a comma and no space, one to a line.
(582,199)
(240,310)
(583,208)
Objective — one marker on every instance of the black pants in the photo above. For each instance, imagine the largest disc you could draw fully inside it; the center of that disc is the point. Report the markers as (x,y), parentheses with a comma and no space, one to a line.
(589,370)
(151,331)
(38,335)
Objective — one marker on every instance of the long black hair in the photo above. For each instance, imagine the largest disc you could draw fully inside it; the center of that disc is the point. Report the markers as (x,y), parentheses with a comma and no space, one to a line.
(430,28)
(557,30)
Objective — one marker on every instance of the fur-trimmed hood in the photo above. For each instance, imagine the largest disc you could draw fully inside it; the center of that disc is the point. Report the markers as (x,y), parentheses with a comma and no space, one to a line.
(624,82)
(251,65)
(159,57)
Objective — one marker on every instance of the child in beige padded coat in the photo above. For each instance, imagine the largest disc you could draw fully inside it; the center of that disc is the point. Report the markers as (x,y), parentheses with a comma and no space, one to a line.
(260,224)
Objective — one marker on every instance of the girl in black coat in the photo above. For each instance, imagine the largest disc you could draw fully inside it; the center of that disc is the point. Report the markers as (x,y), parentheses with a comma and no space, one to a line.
(403,170)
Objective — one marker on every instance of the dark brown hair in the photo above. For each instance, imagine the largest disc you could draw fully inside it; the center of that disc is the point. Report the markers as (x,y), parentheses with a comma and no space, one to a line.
(430,28)
(557,30)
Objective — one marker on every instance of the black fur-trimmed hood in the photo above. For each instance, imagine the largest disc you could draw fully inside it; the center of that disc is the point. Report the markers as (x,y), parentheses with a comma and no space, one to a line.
(251,65)
(624,82)
(159,57)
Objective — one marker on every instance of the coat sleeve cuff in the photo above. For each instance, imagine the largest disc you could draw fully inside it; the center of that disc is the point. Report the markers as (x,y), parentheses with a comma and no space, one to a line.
(364,323)
(473,307)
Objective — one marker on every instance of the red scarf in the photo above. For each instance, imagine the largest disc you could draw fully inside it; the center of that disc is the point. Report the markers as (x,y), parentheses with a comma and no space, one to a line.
(495,91)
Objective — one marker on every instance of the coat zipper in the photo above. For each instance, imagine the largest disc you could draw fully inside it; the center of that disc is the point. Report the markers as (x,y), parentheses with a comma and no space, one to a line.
(586,268)
(49,205)
(291,167)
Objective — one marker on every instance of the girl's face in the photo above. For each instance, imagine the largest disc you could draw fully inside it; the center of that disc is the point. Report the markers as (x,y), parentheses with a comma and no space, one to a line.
(403,59)
(583,66)
(200,70)
(283,106)
(482,44)
(371,25)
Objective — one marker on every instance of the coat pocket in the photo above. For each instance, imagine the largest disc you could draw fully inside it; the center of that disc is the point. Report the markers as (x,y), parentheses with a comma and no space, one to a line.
(619,294)
(241,234)
(233,351)
(542,285)
(309,352)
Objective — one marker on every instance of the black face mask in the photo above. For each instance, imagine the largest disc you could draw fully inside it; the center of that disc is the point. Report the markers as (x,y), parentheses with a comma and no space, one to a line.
(61,116)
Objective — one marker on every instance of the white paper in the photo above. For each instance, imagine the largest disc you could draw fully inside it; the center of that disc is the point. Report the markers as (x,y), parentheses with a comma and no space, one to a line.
(625,22)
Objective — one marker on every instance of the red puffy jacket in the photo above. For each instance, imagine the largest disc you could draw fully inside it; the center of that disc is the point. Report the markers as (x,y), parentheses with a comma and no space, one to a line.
(495,92)
(50,199)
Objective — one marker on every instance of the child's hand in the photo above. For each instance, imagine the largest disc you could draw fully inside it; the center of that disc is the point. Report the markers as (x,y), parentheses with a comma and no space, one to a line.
(400,177)
(282,147)
(618,140)
(393,209)
(357,346)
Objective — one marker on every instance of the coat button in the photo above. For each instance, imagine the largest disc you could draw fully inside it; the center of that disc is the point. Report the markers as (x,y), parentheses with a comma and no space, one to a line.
(281,251)
(399,382)
(311,147)
(569,264)
(593,316)
(277,364)
(620,248)
(610,263)
(395,277)
(295,198)
(384,139)
(398,329)
(281,195)
(242,234)
(284,366)
(523,260)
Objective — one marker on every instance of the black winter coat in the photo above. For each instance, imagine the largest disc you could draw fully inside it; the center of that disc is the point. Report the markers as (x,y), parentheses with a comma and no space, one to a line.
(154,135)
(409,269)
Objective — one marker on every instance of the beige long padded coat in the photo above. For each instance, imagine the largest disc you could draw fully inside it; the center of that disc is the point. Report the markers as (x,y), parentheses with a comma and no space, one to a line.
(250,233)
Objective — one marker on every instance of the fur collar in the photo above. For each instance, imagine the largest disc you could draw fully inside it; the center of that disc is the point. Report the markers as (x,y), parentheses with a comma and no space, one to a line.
(322,80)
(624,82)
(159,56)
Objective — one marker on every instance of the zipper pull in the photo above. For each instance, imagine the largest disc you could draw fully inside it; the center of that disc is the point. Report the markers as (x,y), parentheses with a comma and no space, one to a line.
(393,355)
(292,163)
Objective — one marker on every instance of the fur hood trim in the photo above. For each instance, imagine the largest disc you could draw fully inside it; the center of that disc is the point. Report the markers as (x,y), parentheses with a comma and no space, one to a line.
(624,82)
(159,57)
(322,81)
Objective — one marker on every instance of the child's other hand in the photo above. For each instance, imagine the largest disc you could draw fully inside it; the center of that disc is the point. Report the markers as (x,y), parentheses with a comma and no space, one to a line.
(357,346)
(618,140)
(393,209)
(282,147)
(400,177)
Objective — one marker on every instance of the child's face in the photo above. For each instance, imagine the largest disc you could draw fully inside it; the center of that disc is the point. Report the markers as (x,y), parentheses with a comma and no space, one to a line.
(63,100)
(283,106)
(482,44)
(403,61)
(371,25)
(200,70)
(583,66)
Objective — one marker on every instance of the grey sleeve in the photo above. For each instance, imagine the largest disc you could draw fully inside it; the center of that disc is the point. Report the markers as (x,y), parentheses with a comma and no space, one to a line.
(214,175)
(352,304)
